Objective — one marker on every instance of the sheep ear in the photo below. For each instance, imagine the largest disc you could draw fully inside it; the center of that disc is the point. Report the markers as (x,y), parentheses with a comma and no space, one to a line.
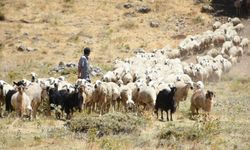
(42,84)
(14,83)
(47,88)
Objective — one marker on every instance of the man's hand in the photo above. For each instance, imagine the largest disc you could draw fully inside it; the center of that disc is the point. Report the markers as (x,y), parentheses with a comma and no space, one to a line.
(79,76)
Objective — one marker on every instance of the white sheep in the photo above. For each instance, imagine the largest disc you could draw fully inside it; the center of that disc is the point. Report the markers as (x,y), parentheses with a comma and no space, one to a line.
(146,97)
(126,98)
(199,85)
(216,25)
(34,92)
(21,102)
(216,74)
(235,20)
(200,73)
(226,46)
(213,52)
(127,78)
(236,40)
(110,76)
(239,27)
(244,44)
(235,51)
(226,65)
(107,93)
(218,39)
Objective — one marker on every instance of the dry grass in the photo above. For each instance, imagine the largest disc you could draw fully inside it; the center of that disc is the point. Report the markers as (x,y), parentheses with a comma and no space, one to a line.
(226,128)
(60,29)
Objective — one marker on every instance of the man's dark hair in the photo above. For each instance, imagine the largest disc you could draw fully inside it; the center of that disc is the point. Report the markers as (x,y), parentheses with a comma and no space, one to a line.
(86,51)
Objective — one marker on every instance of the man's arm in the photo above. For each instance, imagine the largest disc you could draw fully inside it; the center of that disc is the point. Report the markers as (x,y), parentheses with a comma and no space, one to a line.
(79,68)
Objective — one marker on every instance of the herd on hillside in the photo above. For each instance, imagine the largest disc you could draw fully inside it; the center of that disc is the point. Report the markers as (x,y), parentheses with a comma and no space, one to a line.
(146,82)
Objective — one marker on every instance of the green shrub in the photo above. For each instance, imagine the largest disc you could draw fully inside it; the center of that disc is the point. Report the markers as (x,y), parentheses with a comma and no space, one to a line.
(129,24)
(198,20)
(199,130)
(2,17)
(108,124)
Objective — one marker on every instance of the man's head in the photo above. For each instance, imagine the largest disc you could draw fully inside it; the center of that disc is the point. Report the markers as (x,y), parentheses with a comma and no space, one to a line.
(86,51)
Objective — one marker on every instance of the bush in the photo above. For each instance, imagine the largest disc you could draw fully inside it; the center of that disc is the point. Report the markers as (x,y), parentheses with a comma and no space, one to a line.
(2,17)
(198,20)
(129,24)
(200,130)
(108,124)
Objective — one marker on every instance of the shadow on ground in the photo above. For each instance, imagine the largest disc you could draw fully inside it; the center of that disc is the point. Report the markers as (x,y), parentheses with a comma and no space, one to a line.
(226,8)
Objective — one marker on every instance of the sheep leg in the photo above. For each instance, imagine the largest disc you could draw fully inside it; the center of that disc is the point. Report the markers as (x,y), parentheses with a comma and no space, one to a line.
(118,105)
(1,110)
(19,113)
(93,107)
(177,104)
(125,106)
(34,112)
(113,105)
(102,109)
(197,111)
(161,115)
(156,111)
(171,119)
(30,114)
(167,116)
(192,110)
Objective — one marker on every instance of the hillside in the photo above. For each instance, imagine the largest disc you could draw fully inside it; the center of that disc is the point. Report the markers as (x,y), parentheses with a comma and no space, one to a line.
(60,29)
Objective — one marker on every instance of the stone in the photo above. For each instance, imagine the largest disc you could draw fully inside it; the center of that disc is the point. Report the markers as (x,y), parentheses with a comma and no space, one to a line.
(154,24)
(143,9)
(127,5)
(21,48)
(207,9)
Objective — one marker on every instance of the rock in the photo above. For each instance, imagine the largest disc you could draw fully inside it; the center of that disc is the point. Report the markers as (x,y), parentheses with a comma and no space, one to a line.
(207,9)
(95,71)
(139,50)
(51,45)
(127,5)
(25,34)
(61,64)
(154,24)
(30,49)
(143,9)
(199,1)
(21,48)
(71,65)
(129,14)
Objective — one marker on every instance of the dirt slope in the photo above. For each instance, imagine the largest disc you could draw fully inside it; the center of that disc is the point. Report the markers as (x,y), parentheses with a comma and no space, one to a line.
(59,29)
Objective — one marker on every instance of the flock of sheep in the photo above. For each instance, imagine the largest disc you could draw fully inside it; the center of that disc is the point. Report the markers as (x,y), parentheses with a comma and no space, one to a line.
(147,81)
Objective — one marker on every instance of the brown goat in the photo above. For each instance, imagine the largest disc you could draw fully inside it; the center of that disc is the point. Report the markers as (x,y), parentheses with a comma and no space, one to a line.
(201,100)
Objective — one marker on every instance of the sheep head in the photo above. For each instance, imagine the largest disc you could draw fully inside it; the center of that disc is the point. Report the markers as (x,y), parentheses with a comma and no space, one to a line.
(210,95)
(98,83)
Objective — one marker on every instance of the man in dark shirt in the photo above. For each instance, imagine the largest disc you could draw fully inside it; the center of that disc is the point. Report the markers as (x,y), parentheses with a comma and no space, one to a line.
(83,65)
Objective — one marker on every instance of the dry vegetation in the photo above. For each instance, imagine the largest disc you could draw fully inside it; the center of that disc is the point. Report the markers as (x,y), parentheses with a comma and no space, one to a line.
(60,28)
